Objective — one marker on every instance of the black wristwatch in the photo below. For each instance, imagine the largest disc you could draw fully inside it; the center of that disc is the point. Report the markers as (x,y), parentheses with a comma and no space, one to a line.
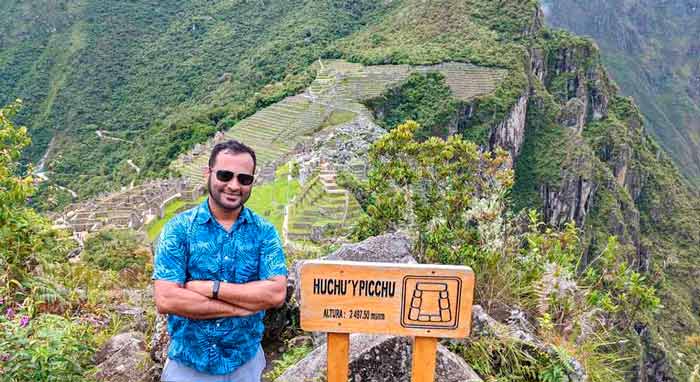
(215,289)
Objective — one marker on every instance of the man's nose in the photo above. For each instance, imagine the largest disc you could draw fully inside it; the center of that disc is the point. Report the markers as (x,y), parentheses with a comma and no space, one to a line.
(233,184)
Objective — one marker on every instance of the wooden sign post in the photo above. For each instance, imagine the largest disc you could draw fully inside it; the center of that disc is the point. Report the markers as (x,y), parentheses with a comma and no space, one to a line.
(423,301)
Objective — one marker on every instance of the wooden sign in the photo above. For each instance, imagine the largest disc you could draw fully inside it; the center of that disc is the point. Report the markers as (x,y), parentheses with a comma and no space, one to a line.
(400,299)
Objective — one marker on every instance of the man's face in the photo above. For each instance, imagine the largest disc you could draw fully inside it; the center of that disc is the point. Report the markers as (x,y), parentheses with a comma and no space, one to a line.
(230,195)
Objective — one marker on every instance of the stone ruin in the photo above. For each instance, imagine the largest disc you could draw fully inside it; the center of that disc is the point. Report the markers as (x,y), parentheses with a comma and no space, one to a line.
(132,208)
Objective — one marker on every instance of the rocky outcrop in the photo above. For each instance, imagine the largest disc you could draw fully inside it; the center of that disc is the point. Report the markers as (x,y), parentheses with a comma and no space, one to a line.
(380,358)
(509,134)
(598,93)
(573,73)
(344,146)
(654,365)
(387,248)
(124,359)
(520,330)
(573,115)
(571,198)
(160,340)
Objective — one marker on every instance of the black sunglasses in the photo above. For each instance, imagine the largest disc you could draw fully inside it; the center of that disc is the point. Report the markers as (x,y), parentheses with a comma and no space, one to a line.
(226,175)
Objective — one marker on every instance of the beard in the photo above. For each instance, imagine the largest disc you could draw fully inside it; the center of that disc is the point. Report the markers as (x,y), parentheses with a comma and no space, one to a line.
(230,201)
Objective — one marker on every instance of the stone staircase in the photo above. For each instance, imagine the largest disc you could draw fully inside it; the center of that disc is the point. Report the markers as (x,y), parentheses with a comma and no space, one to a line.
(322,204)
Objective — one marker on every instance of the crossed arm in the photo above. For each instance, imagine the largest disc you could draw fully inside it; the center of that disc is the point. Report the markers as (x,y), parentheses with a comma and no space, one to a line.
(193,300)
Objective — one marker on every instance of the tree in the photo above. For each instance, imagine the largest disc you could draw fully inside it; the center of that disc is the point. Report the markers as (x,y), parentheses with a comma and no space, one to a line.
(430,188)
(26,239)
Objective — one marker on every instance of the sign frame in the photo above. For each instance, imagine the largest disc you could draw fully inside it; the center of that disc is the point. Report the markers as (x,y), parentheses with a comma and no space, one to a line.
(426,316)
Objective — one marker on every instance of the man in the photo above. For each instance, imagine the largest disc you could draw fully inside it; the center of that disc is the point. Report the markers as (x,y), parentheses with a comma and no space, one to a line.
(217,268)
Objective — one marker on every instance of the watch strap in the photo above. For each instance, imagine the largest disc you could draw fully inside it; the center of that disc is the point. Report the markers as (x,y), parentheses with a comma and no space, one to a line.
(215,289)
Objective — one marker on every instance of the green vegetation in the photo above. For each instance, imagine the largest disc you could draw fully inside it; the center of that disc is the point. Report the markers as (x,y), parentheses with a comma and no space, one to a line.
(270,199)
(288,359)
(53,314)
(544,150)
(121,251)
(163,75)
(338,117)
(173,208)
(167,75)
(237,58)
(424,98)
(453,200)
(48,348)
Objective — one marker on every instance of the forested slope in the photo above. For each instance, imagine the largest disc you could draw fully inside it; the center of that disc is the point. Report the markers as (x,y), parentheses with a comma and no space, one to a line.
(652,50)
(167,75)
(160,74)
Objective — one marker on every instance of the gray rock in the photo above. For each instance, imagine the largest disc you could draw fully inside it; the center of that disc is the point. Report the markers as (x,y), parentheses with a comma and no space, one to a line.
(573,115)
(510,133)
(379,358)
(123,359)
(387,248)
(160,340)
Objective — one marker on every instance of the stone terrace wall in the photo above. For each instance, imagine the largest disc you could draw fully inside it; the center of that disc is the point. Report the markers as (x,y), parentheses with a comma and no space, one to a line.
(131,208)
(279,130)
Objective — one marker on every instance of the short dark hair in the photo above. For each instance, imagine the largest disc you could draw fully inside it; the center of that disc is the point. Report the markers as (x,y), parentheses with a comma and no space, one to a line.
(232,146)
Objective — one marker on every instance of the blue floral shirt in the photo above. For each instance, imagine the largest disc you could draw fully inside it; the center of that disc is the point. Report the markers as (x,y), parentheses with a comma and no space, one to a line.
(194,246)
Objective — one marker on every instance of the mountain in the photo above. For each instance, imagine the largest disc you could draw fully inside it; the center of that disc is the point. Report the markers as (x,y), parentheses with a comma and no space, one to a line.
(145,81)
(159,75)
(652,51)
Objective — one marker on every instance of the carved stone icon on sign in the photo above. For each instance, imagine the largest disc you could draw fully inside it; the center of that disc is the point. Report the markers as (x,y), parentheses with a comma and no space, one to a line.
(430,302)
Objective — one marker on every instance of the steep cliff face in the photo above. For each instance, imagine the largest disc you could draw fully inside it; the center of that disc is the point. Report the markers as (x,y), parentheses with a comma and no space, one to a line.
(612,178)
(651,49)
(509,133)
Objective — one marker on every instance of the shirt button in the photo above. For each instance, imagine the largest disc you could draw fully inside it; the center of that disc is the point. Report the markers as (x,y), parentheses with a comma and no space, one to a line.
(217,325)
(226,257)
(213,345)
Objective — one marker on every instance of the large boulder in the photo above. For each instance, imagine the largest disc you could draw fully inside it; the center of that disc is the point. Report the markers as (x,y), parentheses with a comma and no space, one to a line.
(387,248)
(124,359)
(379,358)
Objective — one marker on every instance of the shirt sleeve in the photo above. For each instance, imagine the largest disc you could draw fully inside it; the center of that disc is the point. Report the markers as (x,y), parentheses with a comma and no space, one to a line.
(272,260)
(170,260)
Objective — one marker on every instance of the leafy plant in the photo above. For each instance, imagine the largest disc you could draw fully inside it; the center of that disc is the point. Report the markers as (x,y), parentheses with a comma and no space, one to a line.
(289,358)
(46,348)
(116,250)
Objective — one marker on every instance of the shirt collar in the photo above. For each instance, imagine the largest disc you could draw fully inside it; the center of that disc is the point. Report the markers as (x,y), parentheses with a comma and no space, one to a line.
(204,214)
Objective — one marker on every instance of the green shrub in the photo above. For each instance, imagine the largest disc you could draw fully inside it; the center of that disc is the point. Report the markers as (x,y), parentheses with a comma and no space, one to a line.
(117,250)
(453,200)
(289,358)
(46,348)
(422,97)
